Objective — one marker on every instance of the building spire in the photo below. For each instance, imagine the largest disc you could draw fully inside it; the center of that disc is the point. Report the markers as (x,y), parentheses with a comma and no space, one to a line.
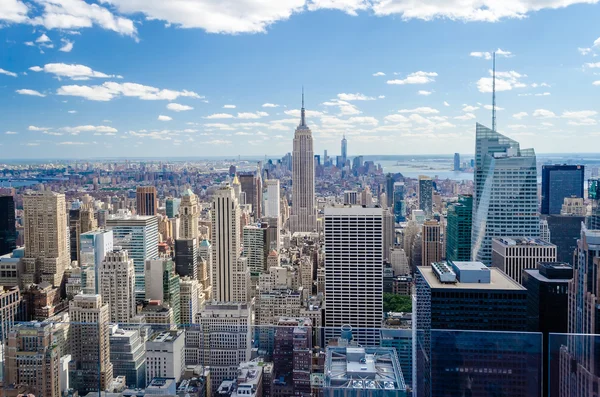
(302,112)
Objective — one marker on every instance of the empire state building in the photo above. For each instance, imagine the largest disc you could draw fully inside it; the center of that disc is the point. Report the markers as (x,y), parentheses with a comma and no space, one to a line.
(304,215)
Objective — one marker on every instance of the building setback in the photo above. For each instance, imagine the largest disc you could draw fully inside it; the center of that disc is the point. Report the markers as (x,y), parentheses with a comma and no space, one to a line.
(513,255)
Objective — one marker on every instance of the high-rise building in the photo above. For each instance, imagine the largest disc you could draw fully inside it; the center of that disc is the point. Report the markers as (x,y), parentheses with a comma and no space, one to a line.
(547,307)
(139,236)
(146,200)
(292,357)
(117,286)
(46,240)
(186,257)
(225,246)
(431,246)
(398,203)
(456,161)
(32,360)
(505,193)
(251,185)
(11,309)
(513,255)
(162,284)
(425,194)
(273,226)
(222,339)
(8,230)
(205,269)
(458,230)
(189,215)
(172,207)
(560,182)
(354,270)
(344,150)
(350,197)
(272,206)
(256,248)
(81,220)
(165,355)
(389,234)
(190,296)
(90,368)
(93,247)
(304,214)
(128,356)
(389,190)
(565,229)
(578,353)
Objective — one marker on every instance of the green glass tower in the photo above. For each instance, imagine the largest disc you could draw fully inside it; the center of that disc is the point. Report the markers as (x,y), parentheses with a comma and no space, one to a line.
(458,244)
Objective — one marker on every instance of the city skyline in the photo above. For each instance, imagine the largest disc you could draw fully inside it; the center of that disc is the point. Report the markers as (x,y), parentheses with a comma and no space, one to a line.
(63,97)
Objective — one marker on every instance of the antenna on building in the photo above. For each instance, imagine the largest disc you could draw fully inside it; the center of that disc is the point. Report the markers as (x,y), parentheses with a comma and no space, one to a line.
(494,94)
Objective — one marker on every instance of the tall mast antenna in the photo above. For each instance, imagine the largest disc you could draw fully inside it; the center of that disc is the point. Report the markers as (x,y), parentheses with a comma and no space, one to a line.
(494,94)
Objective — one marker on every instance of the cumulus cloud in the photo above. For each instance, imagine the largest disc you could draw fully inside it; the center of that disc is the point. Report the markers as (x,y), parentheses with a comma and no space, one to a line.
(6,72)
(446,103)
(270,105)
(505,81)
(220,116)
(543,114)
(419,77)
(424,92)
(67,46)
(231,106)
(378,74)
(162,117)
(11,133)
(71,71)
(584,51)
(111,90)
(249,115)
(520,115)
(592,65)
(100,129)
(466,116)
(176,107)
(469,108)
(345,108)
(354,97)
(26,91)
(43,39)
(421,110)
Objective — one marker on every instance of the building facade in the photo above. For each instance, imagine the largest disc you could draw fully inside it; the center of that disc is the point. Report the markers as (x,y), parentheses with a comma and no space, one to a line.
(8,230)
(146,200)
(117,286)
(458,231)
(165,355)
(560,182)
(431,246)
(272,206)
(513,255)
(425,194)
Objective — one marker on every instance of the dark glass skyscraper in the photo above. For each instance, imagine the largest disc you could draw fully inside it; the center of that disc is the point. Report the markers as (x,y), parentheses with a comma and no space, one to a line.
(8,232)
(456,161)
(558,182)
(458,232)
(398,201)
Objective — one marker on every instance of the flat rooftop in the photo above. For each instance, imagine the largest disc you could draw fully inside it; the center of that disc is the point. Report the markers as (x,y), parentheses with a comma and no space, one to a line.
(498,281)
(470,265)
(522,242)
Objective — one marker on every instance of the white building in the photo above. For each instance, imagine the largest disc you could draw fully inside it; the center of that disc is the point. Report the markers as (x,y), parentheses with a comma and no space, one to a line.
(93,247)
(255,247)
(354,270)
(189,215)
(117,285)
(222,339)
(399,262)
(514,254)
(189,294)
(304,215)
(272,207)
(165,355)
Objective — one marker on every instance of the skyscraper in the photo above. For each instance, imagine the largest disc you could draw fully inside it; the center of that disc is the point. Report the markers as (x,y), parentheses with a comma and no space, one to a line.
(139,236)
(162,284)
(513,255)
(272,207)
(189,214)
(117,286)
(425,193)
(304,215)
(389,189)
(8,231)
(93,247)
(256,247)
(172,207)
(458,231)
(354,271)
(431,247)
(225,243)
(146,200)
(505,193)
(251,184)
(46,240)
(90,368)
(560,182)
(344,150)
(398,202)
(456,161)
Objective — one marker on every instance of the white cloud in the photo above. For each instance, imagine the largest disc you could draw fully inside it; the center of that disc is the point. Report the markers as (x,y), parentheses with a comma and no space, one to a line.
(176,107)
(597,82)
(505,81)
(466,116)
(249,115)
(29,43)
(25,91)
(478,54)
(467,11)
(378,74)
(72,143)
(381,97)
(71,71)
(354,97)
(67,47)
(584,51)
(446,103)
(424,93)
(421,110)
(111,90)
(229,106)
(502,53)
(6,72)
(220,116)
(543,113)
(270,105)
(419,77)
(489,107)
(345,108)
(32,144)
(396,118)
(516,126)
(72,111)
(597,42)
(13,11)
(101,129)
(218,142)
(43,39)
(11,133)
(543,94)
(520,115)
(162,117)
(34,128)
(592,65)
(469,108)
(580,114)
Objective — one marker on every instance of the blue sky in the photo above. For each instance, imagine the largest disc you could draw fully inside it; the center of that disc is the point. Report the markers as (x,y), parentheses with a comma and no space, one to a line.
(151,78)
